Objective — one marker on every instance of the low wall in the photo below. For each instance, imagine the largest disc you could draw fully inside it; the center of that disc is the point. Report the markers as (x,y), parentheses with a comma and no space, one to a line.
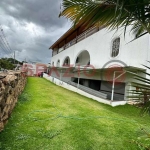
(11,86)
(74,89)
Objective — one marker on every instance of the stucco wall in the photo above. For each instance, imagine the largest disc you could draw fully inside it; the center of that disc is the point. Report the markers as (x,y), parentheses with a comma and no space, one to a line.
(99,47)
(74,89)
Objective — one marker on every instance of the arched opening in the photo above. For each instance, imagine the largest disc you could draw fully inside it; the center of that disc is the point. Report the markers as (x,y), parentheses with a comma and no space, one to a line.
(52,63)
(66,61)
(58,63)
(83,58)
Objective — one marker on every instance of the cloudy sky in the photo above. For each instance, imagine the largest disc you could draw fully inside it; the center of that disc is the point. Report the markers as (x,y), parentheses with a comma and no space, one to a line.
(29,27)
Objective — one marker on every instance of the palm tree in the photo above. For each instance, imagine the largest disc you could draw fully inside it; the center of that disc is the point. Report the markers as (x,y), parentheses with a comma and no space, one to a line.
(110,13)
(141,91)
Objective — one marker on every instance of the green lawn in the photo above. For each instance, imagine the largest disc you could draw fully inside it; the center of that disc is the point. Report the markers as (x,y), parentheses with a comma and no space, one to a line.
(48,117)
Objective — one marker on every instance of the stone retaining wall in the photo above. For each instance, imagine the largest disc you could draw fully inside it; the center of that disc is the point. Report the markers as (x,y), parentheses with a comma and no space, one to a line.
(11,86)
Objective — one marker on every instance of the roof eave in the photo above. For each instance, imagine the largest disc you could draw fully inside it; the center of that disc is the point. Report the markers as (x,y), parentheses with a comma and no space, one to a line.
(72,29)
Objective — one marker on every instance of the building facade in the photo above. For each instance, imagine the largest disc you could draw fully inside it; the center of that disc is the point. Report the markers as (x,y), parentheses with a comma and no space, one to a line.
(99,61)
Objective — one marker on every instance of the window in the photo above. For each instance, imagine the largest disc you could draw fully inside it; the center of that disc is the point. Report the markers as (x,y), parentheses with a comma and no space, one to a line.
(58,63)
(77,60)
(66,62)
(115,47)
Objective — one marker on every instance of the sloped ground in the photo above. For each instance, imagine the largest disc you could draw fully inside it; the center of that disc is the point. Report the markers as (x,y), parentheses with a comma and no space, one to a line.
(48,117)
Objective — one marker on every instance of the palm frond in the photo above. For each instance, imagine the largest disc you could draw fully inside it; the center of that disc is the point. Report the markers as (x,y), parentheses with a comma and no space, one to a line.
(110,13)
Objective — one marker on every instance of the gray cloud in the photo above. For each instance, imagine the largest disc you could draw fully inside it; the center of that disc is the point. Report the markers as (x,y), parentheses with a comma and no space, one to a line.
(41,12)
(31,26)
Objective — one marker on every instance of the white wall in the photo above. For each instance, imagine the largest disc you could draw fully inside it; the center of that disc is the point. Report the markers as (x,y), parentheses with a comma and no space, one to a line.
(99,47)
(74,89)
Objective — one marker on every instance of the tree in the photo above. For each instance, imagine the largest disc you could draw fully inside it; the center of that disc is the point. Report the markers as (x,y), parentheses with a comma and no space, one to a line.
(110,13)
(141,91)
(5,64)
(12,60)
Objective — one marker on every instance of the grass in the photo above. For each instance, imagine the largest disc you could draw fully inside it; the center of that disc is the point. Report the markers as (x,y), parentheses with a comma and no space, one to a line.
(48,117)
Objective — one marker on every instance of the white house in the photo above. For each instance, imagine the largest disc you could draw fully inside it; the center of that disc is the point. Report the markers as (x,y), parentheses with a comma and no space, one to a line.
(99,62)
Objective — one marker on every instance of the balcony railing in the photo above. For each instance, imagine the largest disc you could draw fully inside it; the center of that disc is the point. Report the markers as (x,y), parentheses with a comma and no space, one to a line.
(79,38)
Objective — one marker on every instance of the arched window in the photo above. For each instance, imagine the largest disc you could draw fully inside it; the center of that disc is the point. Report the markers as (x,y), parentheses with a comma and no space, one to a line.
(58,63)
(77,60)
(83,58)
(115,47)
(66,61)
